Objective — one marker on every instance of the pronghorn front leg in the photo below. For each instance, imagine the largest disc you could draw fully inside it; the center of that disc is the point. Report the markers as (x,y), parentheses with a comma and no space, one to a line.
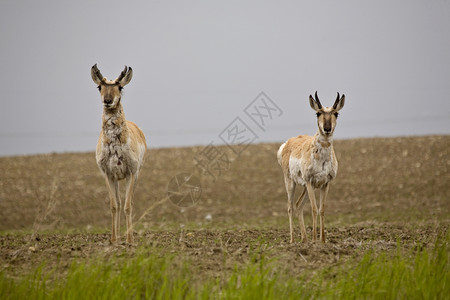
(128,208)
(312,198)
(114,197)
(323,198)
(290,189)
(299,206)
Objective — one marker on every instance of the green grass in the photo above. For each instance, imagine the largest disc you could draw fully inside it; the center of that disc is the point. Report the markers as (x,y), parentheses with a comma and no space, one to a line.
(148,275)
(424,275)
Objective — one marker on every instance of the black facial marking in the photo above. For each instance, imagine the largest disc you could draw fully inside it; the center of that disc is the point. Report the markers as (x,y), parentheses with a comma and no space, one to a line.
(327,123)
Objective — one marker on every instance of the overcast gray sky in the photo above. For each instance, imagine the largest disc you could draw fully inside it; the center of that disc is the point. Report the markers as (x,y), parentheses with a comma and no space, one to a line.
(198,64)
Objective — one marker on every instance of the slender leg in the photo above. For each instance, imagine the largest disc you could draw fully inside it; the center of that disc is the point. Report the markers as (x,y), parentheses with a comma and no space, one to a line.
(113,187)
(129,207)
(299,205)
(290,189)
(323,198)
(312,198)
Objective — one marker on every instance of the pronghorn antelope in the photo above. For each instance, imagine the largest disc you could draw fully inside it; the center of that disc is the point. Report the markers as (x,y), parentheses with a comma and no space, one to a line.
(310,161)
(120,148)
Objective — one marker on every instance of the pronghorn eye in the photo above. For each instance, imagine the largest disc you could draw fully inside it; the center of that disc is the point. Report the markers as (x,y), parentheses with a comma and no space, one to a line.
(99,87)
(318,114)
(336,114)
(120,88)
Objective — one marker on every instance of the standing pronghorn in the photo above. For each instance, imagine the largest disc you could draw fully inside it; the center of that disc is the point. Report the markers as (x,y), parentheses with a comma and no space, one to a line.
(310,162)
(120,148)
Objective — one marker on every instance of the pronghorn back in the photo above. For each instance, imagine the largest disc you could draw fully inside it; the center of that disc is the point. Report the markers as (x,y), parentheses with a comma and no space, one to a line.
(138,143)
(295,147)
(308,159)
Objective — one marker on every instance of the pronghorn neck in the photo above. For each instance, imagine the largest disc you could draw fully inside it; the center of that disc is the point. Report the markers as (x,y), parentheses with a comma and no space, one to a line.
(114,125)
(322,141)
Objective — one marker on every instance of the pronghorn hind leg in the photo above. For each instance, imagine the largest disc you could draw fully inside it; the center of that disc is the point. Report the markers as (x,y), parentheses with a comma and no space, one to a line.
(114,197)
(323,198)
(312,199)
(128,208)
(299,206)
(290,189)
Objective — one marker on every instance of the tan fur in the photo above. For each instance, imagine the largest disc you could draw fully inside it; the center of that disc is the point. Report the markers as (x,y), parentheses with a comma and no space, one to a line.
(310,161)
(295,146)
(120,149)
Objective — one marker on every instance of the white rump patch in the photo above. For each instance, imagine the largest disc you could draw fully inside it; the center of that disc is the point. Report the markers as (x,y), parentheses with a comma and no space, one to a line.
(280,153)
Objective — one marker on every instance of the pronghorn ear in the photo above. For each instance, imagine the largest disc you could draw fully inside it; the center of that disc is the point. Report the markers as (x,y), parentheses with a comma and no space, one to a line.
(339,103)
(125,77)
(314,105)
(97,77)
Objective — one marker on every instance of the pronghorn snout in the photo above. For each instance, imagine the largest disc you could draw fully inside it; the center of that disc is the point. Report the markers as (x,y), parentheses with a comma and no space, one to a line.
(327,123)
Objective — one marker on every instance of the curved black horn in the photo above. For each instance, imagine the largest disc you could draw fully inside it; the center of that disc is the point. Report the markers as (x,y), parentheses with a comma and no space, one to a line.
(317,100)
(96,72)
(336,102)
(122,74)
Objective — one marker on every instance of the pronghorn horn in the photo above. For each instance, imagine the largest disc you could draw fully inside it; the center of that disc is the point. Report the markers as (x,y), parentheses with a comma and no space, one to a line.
(97,72)
(337,101)
(317,100)
(122,75)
